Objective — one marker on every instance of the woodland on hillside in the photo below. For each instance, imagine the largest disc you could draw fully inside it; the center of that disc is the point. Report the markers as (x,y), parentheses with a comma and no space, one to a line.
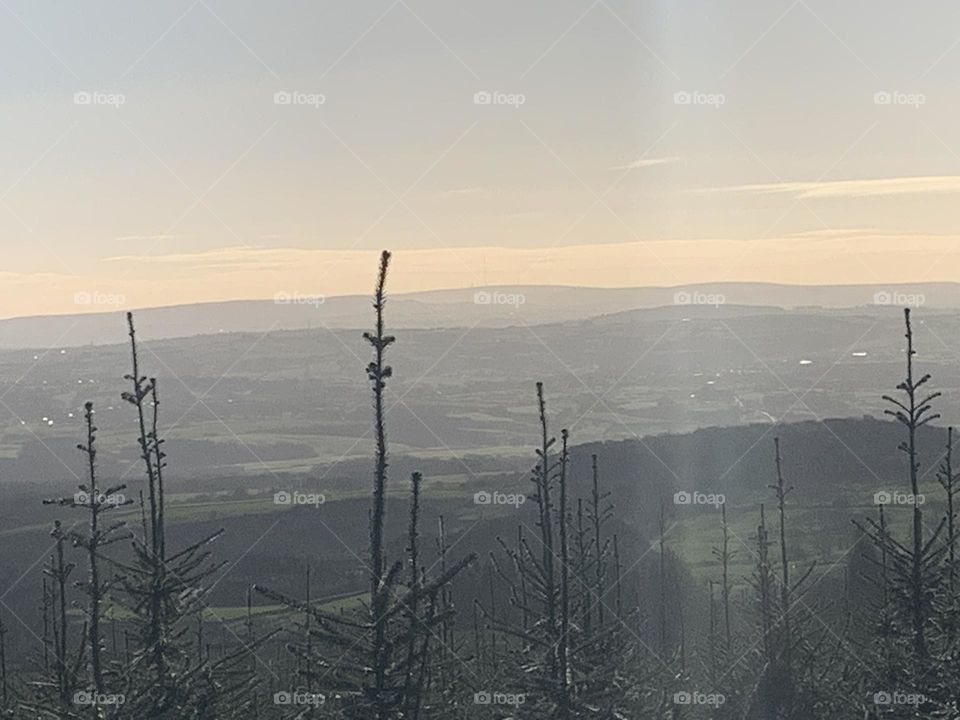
(567,619)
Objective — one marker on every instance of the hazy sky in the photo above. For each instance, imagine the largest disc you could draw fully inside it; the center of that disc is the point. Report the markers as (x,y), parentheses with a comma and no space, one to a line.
(777,161)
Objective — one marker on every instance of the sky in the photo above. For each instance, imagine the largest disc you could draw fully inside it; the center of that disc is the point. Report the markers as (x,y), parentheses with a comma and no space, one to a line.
(202,150)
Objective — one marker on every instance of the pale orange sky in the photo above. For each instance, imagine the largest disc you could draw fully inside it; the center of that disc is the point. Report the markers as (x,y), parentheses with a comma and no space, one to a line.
(851,257)
(623,144)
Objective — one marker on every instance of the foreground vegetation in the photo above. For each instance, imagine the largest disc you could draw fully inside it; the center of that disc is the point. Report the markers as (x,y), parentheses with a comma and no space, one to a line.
(564,618)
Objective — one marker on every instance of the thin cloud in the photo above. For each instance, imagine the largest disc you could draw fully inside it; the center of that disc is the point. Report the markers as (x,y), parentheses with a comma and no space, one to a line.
(834,232)
(647,162)
(17,278)
(235,255)
(149,237)
(239,257)
(462,192)
(875,187)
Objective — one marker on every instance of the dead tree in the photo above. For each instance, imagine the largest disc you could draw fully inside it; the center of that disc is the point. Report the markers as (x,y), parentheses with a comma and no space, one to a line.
(599,511)
(913,412)
(53,692)
(563,645)
(378,660)
(948,481)
(662,583)
(4,681)
(797,673)
(378,372)
(163,590)
(565,669)
(781,492)
(724,555)
(97,503)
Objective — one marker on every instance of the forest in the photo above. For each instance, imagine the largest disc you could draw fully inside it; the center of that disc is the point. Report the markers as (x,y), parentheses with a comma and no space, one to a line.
(569,614)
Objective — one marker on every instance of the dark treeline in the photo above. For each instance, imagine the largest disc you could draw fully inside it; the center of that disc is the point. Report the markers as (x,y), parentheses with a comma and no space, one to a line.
(569,615)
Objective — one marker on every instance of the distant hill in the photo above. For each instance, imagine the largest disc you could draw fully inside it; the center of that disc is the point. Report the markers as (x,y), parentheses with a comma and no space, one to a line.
(242,404)
(466,307)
